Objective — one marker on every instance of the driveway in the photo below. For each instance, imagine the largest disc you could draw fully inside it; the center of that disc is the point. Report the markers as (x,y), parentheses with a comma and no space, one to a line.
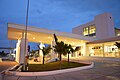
(103,70)
(6,64)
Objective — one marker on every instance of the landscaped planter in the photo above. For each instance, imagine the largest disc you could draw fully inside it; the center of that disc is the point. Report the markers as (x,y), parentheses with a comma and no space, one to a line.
(18,73)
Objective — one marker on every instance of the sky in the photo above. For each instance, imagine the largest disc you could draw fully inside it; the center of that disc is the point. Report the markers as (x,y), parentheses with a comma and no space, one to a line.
(61,15)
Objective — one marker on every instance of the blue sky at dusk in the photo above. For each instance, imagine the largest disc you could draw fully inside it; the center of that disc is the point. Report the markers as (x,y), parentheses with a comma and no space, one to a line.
(61,15)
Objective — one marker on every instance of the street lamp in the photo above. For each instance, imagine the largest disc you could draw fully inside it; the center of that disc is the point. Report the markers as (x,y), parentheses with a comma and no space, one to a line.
(25,49)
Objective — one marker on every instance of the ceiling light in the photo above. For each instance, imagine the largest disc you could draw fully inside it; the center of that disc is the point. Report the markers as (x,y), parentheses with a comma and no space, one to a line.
(34,38)
(49,37)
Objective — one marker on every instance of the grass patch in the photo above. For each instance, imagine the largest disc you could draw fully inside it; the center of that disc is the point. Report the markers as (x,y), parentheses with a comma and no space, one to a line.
(53,66)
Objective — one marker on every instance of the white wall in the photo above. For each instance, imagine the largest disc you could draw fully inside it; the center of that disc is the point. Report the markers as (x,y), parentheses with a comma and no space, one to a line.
(104,26)
(20,55)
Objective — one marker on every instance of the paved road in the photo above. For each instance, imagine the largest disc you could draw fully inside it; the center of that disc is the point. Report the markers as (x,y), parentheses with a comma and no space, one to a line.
(103,70)
(6,64)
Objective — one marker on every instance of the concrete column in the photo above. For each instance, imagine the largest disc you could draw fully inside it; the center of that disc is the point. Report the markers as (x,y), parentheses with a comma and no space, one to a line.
(20,50)
(40,52)
(103,50)
(83,49)
(53,54)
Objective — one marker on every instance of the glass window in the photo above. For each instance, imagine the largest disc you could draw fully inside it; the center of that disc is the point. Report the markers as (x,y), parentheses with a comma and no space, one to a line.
(89,31)
(92,29)
(85,31)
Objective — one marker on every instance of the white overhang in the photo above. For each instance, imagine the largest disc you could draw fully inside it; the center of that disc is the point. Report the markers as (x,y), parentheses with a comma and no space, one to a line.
(35,34)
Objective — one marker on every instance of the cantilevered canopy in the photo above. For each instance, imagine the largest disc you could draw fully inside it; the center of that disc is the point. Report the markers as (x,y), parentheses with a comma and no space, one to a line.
(44,35)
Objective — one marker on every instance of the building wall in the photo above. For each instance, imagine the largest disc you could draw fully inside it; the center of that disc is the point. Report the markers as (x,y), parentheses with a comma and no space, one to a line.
(104,26)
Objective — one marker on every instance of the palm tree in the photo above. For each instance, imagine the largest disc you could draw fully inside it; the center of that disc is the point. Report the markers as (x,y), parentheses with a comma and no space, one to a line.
(60,49)
(118,45)
(69,49)
(45,51)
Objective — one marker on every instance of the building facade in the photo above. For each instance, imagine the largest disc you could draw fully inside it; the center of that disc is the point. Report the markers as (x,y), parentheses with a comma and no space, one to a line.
(96,38)
(103,30)
(101,27)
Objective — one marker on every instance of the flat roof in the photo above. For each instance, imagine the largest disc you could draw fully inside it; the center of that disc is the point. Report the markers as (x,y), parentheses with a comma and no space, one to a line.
(111,39)
(44,35)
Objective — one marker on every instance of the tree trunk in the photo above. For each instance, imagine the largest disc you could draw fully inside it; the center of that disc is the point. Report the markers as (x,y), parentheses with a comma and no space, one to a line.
(43,59)
(68,58)
(60,60)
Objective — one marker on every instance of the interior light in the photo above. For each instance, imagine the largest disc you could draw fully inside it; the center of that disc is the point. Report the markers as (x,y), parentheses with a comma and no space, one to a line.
(34,38)
(49,37)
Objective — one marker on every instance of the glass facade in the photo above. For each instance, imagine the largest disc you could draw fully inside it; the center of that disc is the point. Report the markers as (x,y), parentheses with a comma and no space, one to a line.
(103,50)
(89,31)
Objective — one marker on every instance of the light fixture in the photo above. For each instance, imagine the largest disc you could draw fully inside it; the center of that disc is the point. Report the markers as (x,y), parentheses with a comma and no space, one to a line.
(49,37)
(65,40)
(33,37)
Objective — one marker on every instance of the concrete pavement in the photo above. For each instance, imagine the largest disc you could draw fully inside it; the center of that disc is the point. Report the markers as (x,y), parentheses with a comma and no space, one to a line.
(6,64)
(103,70)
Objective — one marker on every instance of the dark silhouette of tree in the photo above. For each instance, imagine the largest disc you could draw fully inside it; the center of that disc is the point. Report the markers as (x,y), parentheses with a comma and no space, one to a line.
(118,45)
(45,50)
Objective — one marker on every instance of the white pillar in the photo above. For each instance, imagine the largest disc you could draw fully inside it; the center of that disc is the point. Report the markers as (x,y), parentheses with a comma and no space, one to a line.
(83,49)
(20,50)
(53,54)
(40,52)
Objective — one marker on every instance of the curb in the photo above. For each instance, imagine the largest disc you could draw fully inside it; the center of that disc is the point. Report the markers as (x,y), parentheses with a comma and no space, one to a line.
(45,73)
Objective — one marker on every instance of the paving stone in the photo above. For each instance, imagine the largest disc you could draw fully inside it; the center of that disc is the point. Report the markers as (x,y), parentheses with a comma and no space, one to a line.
(27,78)
(102,78)
(84,75)
(0,77)
(64,77)
(115,75)
(9,77)
(50,77)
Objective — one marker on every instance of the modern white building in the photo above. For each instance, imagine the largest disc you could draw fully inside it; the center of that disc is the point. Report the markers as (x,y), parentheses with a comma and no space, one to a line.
(96,38)
(103,30)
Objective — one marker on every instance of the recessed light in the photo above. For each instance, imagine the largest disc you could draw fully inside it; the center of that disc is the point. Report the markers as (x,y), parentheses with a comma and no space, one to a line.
(34,38)
(65,40)
(49,37)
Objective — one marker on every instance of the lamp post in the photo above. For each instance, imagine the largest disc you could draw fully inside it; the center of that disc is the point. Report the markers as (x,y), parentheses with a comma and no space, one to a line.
(25,49)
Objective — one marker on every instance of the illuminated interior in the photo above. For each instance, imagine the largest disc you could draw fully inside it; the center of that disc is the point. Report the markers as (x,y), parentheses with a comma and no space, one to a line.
(89,31)
(45,36)
(107,49)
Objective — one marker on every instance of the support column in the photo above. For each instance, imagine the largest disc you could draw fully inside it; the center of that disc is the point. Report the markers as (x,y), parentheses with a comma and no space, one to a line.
(20,55)
(40,52)
(83,51)
(53,54)
(103,50)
